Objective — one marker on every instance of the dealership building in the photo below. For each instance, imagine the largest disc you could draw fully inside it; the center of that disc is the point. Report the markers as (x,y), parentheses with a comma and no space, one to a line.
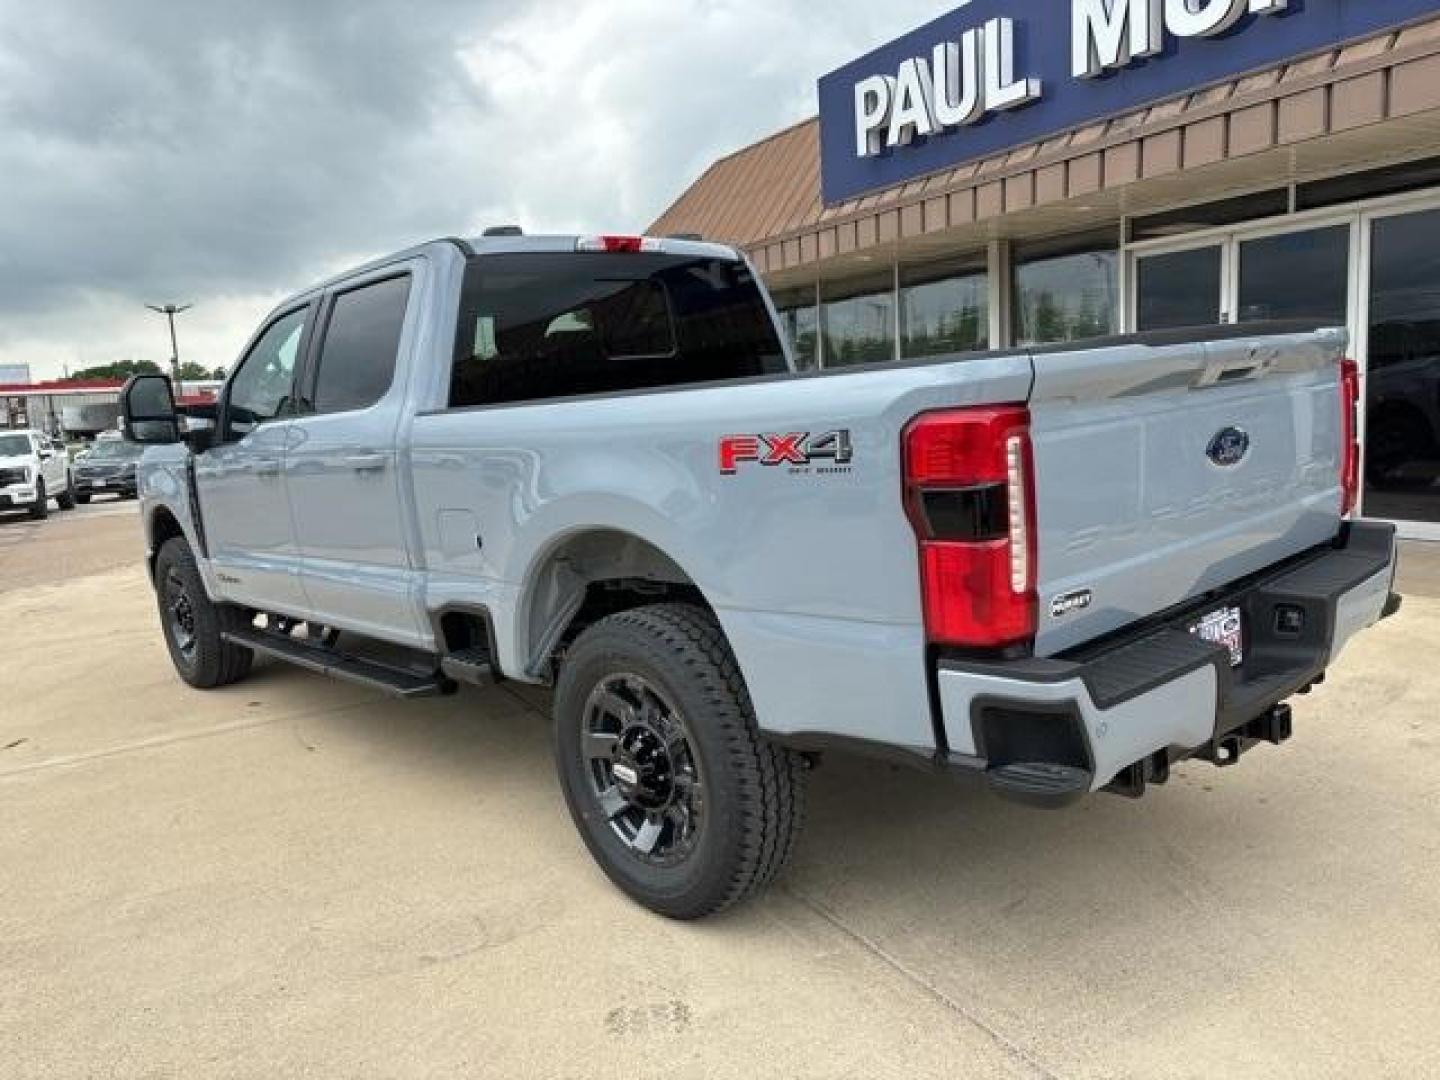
(1021,172)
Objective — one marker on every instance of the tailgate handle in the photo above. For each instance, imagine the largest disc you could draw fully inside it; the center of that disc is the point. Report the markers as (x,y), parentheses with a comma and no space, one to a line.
(1225,371)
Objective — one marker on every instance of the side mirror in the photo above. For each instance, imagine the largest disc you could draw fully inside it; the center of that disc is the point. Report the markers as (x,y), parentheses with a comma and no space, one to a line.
(147,405)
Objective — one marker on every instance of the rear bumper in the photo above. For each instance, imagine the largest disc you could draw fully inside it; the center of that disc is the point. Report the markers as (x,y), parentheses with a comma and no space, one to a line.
(1118,713)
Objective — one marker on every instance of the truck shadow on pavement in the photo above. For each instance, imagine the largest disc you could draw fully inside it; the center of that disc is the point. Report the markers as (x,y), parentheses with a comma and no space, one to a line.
(881,842)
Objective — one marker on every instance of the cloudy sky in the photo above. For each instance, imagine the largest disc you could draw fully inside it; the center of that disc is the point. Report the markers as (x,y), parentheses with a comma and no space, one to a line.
(226,153)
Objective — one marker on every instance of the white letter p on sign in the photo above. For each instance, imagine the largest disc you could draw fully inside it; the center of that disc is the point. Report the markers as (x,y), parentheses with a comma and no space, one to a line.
(874,98)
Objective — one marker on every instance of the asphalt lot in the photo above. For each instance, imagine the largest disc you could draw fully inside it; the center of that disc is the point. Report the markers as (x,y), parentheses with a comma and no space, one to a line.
(297,877)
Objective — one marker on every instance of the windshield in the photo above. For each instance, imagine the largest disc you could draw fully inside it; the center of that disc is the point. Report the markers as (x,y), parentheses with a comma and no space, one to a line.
(116,451)
(11,445)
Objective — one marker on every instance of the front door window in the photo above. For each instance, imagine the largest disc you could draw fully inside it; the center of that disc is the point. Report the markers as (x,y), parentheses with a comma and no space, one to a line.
(262,387)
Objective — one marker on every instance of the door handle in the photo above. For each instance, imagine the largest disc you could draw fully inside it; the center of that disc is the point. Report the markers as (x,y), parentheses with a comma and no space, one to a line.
(366,462)
(267,468)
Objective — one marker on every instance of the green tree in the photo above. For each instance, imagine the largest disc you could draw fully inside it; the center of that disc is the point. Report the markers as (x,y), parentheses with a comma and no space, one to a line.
(190,371)
(118,369)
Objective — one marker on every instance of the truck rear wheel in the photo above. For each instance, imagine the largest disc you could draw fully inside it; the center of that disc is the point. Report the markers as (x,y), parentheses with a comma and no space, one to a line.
(193,623)
(682,802)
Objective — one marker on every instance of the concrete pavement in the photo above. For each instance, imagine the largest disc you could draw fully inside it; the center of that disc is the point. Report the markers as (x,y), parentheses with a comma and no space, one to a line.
(103,535)
(295,877)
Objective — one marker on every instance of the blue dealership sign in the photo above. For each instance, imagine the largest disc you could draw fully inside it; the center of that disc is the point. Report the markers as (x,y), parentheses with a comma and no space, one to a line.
(995,74)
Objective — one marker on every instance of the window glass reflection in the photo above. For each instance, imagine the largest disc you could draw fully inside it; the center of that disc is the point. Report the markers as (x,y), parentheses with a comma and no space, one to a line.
(1178,289)
(1304,275)
(1402,385)
(944,310)
(801,320)
(859,322)
(1066,297)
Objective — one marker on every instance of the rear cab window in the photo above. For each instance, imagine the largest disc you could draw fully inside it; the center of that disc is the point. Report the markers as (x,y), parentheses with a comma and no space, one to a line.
(536,326)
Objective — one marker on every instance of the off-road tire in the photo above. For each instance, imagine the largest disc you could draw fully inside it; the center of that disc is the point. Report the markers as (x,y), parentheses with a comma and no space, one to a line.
(40,508)
(211,661)
(66,499)
(83,498)
(754,790)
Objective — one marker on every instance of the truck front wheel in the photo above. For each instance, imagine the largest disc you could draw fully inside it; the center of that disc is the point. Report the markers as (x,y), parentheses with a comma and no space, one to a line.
(682,802)
(193,623)
(40,508)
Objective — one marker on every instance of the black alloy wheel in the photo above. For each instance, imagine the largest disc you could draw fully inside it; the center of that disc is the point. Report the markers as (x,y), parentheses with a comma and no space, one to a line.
(193,624)
(642,769)
(40,508)
(681,800)
(180,613)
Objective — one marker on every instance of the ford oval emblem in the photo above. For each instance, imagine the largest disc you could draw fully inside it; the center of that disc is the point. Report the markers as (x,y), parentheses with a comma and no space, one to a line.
(1229,447)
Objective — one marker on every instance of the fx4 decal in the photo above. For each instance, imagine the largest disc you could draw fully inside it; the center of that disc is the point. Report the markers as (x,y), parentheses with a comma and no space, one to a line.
(797,449)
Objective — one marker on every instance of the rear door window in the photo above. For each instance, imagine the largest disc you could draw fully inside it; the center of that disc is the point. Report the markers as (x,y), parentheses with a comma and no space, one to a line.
(537,326)
(362,341)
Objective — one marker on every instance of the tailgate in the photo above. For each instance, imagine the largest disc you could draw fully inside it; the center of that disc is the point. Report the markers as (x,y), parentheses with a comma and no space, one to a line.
(1167,468)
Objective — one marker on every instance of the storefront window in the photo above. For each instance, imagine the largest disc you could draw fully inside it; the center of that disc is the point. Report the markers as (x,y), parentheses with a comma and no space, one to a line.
(1178,289)
(1066,295)
(1270,287)
(1402,386)
(859,321)
(801,320)
(944,308)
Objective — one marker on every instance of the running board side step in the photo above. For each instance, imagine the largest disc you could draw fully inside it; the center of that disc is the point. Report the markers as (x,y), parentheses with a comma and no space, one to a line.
(472,666)
(1039,783)
(325,661)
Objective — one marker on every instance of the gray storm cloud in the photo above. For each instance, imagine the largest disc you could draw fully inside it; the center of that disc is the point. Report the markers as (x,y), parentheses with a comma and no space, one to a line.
(151,147)
(224,153)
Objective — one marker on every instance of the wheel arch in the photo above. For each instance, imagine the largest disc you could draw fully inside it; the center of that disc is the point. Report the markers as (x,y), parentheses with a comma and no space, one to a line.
(161,525)
(583,575)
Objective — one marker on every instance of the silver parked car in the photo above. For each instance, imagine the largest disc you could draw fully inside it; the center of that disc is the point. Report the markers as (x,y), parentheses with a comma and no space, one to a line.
(108,469)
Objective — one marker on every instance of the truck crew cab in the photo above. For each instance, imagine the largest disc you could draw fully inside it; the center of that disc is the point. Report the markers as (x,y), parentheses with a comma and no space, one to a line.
(588,462)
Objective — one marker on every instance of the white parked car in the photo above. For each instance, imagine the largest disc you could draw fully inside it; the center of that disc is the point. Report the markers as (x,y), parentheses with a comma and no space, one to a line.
(34,470)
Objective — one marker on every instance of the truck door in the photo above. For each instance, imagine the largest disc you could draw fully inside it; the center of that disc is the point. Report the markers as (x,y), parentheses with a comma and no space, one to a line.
(342,470)
(241,480)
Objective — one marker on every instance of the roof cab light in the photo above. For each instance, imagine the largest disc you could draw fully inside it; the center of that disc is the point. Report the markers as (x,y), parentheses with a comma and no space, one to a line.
(620,245)
(1350,437)
(969,492)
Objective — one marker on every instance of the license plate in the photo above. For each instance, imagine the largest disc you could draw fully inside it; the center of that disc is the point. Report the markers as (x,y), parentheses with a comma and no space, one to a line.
(99,483)
(1226,628)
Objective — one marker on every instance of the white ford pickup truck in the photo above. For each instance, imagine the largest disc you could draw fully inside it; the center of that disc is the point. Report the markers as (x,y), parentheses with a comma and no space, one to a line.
(589,462)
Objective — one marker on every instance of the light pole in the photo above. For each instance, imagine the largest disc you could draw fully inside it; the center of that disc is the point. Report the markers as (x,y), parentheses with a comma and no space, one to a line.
(170,311)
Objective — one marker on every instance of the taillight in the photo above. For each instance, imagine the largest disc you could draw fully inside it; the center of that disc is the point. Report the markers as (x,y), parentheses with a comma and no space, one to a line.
(1350,437)
(970,495)
(625,245)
